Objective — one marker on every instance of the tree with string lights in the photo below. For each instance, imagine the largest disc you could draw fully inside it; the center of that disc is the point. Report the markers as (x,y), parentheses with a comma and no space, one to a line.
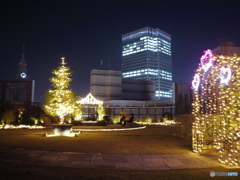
(61,101)
(216,86)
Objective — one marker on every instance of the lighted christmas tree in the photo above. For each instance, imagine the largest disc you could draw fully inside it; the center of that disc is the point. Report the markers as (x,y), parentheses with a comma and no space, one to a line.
(61,101)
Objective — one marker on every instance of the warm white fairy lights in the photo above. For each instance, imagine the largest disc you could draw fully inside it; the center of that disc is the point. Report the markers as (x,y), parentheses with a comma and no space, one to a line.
(216,106)
(89,99)
(67,134)
(196,82)
(61,101)
(21,126)
(113,129)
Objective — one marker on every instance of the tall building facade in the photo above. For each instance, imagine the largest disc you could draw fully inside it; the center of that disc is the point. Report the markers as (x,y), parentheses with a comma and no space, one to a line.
(106,84)
(146,55)
(109,85)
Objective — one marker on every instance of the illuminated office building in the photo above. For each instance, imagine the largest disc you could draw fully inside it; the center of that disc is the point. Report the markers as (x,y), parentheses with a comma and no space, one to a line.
(146,55)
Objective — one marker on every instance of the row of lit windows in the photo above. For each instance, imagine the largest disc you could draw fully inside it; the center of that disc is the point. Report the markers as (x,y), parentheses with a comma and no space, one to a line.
(167,52)
(145,32)
(155,40)
(164,94)
(133,50)
(147,43)
(163,74)
(147,59)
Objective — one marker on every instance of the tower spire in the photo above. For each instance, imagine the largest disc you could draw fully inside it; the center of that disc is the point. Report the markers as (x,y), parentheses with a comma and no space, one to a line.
(23,53)
(22,66)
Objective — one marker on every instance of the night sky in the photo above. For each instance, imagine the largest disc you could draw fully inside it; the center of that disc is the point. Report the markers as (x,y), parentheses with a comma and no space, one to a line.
(88,32)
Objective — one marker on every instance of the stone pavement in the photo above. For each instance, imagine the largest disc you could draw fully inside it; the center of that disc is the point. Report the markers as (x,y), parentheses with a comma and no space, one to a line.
(112,161)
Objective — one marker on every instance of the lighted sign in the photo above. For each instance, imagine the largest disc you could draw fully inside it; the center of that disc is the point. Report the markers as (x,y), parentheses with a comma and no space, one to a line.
(206,60)
(196,82)
(23,75)
(225,75)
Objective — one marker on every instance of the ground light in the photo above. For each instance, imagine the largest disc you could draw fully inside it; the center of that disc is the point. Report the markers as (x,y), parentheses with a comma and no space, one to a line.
(21,126)
(165,123)
(62,130)
(79,130)
(66,134)
(114,129)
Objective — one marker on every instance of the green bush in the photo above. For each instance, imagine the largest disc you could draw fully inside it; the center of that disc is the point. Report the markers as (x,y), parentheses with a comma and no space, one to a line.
(167,116)
(37,120)
(9,117)
(148,119)
(116,119)
(137,120)
(184,125)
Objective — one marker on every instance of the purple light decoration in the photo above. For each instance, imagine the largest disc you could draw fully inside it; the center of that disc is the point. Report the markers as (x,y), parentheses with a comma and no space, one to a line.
(225,75)
(206,60)
(196,82)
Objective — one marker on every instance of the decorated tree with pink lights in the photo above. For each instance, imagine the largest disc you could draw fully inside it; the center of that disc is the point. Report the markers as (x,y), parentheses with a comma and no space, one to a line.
(216,86)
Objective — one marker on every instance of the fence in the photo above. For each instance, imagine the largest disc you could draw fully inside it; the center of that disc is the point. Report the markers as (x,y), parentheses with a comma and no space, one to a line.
(138,111)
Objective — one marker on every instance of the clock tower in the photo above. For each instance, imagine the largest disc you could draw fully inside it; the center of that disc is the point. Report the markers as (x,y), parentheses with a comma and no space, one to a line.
(22,67)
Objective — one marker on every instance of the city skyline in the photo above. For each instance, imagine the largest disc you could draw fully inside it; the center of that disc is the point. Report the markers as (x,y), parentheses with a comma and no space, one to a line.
(89,36)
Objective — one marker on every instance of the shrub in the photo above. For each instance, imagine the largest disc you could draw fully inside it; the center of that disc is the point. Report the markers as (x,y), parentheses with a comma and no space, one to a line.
(37,120)
(148,119)
(137,120)
(9,117)
(167,116)
(116,119)
(184,126)
(101,112)
(68,119)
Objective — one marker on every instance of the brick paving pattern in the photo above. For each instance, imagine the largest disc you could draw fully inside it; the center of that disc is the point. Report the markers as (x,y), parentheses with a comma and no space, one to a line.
(112,161)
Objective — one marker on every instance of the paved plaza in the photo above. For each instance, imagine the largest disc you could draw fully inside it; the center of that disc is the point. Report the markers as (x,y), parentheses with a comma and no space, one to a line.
(112,161)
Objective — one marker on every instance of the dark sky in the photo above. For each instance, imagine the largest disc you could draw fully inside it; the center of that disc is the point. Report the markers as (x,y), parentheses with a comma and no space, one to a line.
(88,32)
